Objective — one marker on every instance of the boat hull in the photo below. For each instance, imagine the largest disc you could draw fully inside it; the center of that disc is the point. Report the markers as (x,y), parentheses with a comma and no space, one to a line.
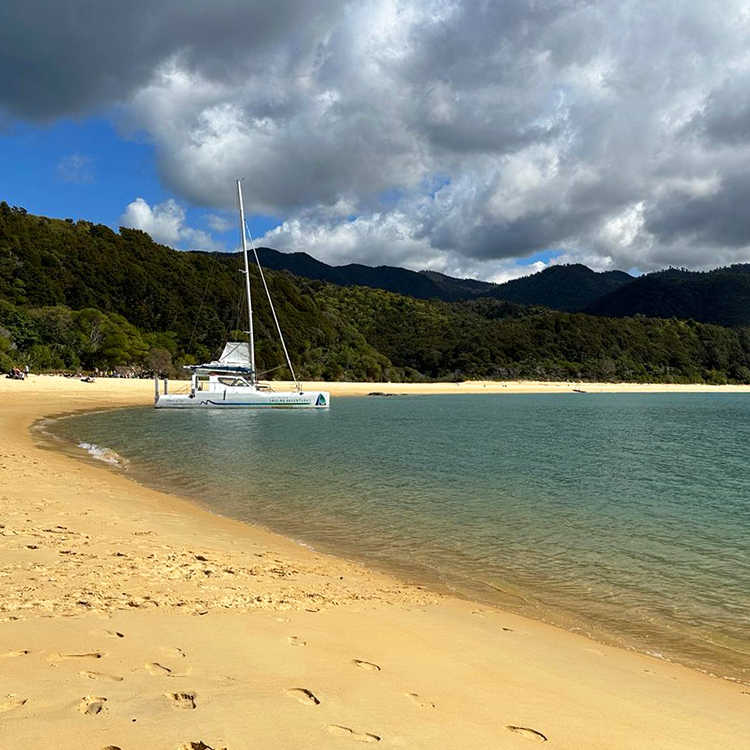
(256,400)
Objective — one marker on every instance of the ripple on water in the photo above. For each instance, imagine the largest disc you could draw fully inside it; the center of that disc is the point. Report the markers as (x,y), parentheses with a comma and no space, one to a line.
(100,453)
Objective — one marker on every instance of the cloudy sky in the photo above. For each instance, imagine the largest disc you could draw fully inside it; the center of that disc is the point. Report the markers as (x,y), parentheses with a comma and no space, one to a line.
(480,138)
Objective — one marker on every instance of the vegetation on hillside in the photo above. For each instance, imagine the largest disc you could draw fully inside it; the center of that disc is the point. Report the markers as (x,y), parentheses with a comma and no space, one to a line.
(567,287)
(78,295)
(492,339)
(720,296)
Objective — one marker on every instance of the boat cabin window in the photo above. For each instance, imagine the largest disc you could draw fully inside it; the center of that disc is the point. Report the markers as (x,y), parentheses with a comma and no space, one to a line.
(234,382)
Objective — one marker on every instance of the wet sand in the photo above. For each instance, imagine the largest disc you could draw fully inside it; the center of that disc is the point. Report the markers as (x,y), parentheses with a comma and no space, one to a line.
(133,619)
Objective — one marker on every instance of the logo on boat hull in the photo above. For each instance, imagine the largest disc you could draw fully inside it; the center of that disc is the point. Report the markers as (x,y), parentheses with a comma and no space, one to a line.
(321,400)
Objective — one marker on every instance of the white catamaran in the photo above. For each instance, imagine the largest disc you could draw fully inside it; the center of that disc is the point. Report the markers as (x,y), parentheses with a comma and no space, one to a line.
(231,381)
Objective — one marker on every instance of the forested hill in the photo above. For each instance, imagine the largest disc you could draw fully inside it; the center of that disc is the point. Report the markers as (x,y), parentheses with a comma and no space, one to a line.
(78,295)
(571,288)
(720,296)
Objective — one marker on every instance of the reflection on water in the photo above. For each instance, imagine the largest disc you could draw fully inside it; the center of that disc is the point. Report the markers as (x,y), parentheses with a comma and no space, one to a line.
(625,515)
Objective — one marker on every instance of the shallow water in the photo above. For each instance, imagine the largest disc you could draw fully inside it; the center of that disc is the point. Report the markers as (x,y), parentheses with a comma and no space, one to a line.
(625,516)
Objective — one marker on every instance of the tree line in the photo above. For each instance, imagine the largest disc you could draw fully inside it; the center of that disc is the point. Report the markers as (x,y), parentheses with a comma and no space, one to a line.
(76,295)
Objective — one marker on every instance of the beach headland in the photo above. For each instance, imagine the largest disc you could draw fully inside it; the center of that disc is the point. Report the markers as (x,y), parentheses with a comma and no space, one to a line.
(130,618)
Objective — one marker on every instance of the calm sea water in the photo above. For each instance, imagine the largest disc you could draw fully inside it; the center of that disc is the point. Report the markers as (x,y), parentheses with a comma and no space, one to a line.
(624,516)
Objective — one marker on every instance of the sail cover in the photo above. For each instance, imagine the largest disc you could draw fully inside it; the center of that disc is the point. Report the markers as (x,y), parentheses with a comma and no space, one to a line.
(235,354)
(234,359)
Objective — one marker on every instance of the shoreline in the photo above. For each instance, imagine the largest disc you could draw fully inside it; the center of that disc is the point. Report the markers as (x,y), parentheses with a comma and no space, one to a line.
(515,673)
(500,599)
(507,598)
(145,387)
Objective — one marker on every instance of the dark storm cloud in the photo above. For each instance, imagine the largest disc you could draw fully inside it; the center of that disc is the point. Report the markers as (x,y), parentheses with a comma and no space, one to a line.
(725,120)
(719,220)
(59,58)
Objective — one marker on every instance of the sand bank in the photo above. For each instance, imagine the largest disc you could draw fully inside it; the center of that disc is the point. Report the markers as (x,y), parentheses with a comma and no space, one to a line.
(133,619)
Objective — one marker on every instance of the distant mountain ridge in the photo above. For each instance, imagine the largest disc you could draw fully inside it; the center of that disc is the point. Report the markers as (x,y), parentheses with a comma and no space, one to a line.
(570,288)
(720,296)
(469,287)
(390,278)
(567,287)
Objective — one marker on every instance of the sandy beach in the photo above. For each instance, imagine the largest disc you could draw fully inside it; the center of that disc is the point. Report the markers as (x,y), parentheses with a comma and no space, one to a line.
(133,619)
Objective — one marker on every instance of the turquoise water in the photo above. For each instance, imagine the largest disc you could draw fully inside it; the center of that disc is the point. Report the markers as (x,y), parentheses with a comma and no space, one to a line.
(623,516)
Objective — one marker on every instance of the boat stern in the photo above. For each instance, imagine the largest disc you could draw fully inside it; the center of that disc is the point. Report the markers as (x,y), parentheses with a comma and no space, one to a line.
(322,400)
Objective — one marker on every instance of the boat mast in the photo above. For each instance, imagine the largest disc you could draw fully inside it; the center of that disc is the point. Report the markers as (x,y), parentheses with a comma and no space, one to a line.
(247,278)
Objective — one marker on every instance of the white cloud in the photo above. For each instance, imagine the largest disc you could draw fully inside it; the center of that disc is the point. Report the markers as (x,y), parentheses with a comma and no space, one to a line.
(219,223)
(383,239)
(375,239)
(165,222)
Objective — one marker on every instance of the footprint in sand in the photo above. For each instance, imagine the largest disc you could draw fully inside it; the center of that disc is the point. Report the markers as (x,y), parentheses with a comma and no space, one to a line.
(108,633)
(64,657)
(367,665)
(304,696)
(91,704)
(181,700)
(11,654)
(296,641)
(419,701)
(11,703)
(173,651)
(156,670)
(100,676)
(186,673)
(193,746)
(339,731)
(529,734)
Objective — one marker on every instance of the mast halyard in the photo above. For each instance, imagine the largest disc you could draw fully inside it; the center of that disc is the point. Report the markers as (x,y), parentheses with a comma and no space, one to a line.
(297,384)
(247,279)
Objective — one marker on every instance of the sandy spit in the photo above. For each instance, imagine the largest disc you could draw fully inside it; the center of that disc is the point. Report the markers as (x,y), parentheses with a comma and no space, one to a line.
(132,619)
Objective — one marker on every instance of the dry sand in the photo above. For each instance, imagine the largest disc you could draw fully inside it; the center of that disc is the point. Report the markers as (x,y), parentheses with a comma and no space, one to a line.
(132,619)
